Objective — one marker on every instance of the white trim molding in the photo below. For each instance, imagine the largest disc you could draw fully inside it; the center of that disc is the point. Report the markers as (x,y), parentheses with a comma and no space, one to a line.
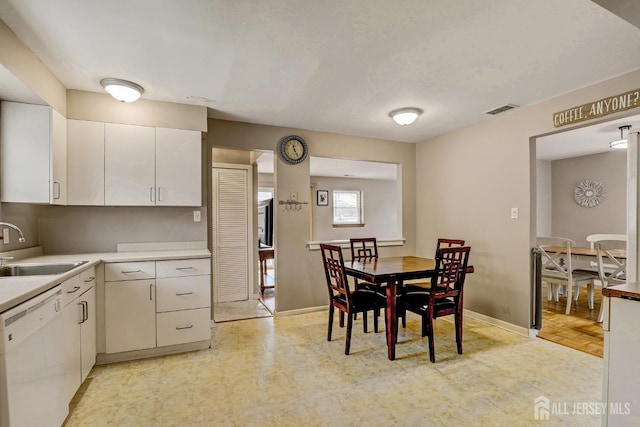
(397,241)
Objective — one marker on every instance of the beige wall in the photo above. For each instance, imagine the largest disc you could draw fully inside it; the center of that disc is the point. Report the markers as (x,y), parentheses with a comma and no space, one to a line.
(543,198)
(102,107)
(489,169)
(379,202)
(26,67)
(299,272)
(610,217)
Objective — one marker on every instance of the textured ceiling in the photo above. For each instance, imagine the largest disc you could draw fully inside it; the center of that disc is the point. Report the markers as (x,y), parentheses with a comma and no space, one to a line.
(335,65)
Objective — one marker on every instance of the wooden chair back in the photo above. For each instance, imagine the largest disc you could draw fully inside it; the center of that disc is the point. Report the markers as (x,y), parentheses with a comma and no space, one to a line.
(451,266)
(337,283)
(448,243)
(364,247)
(556,256)
(612,268)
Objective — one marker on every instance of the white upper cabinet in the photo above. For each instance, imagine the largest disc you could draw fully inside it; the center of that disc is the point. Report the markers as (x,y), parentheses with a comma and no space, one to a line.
(178,167)
(129,165)
(33,144)
(85,157)
(146,166)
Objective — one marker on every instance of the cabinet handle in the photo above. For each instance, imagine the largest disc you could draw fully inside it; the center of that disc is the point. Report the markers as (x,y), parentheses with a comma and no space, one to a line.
(90,279)
(184,268)
(183,293)
(75,289)
(131,271)
(151,194)
(159,194)
(178,328)
(56,185)
(151,292)
(85,311)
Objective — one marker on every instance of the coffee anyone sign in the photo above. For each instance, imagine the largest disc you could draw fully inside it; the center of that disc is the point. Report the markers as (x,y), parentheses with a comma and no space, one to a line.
(602,107)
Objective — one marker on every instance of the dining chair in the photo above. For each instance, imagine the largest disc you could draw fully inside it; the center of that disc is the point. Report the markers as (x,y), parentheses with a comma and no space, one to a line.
(612,268)
(441,243)
(343,298)
(443,297)
(557,269)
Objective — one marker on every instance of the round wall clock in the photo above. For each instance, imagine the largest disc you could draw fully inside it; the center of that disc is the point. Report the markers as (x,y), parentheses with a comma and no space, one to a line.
(293,149)
(589,193)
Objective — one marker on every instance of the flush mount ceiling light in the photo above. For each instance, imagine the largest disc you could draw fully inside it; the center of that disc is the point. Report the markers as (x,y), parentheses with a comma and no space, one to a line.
(405,116)
(622,142)
(122,90)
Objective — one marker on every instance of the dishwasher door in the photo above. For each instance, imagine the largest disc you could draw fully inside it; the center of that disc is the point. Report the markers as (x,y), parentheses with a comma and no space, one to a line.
(32,363)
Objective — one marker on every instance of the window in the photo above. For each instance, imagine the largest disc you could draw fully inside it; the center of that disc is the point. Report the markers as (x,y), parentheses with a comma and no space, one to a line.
(347,208)
(264,194)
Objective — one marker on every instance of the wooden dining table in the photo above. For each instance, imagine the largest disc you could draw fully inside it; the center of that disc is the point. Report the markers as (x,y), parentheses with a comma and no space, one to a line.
(392,271)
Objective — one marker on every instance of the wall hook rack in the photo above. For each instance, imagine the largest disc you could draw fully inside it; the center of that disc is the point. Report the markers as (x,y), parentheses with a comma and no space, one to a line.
(292,205)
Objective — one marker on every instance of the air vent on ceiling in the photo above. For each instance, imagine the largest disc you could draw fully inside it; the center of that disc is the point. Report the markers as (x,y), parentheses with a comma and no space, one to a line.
(501,109)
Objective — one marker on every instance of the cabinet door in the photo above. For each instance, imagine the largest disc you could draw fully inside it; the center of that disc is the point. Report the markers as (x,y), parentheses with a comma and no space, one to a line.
(178,167)
(58,190)
(25,152)
(129,165)
(130,315)
(85,150)
(88,349)
(72,348)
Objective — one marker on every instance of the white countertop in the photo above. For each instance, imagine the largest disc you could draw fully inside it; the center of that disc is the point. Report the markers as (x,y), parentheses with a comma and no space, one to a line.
(15,290)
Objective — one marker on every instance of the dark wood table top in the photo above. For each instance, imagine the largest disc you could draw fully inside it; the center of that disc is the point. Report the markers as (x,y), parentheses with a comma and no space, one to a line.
(381,270)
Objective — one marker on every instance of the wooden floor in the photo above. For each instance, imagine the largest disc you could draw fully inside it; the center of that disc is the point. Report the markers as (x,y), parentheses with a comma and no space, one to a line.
(580,329)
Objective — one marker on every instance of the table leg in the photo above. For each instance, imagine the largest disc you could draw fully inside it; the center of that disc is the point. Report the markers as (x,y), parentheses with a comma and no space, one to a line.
(391,319)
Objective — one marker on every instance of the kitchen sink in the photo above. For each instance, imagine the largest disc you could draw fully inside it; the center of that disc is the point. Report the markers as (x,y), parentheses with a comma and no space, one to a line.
(38,269)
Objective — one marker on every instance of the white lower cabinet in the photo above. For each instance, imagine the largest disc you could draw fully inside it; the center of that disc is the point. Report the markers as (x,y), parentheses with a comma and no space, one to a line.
(79,300)
(130,315)
(168,305)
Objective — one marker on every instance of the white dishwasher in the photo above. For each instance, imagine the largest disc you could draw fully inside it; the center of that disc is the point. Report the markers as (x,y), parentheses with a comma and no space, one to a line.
(32,363)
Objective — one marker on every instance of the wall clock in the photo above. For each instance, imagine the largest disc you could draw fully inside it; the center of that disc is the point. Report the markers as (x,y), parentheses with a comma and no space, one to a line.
(589,193)
(293,149)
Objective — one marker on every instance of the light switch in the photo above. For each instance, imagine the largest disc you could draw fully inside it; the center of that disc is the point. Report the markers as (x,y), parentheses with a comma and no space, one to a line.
(514,213)
(5,236)
(293,196)
(196,216)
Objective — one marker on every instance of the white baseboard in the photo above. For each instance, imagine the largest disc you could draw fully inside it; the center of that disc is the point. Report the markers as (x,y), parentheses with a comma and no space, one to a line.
(300,311)
(520,330)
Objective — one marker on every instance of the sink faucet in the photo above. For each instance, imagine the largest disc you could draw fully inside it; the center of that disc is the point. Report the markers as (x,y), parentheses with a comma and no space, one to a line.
(21,238)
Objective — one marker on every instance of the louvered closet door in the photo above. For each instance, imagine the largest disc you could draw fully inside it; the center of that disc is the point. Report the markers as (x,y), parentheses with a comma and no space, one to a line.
(229,234)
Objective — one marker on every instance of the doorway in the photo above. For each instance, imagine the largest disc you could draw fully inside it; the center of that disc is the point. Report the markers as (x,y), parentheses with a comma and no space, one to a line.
(564,161)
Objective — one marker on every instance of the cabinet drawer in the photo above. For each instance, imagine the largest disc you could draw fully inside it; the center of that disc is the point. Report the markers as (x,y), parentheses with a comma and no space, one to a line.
(114,272)
(180,327)
(87,279)
(182,293)
(71,289)
(183,267)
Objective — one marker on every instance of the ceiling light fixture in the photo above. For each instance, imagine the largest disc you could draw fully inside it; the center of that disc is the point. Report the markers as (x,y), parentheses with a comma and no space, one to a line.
(621,143)
(122,90)
(405,116)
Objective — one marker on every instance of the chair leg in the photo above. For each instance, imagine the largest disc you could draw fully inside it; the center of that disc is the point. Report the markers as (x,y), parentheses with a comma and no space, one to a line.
(347,344)
(549,291)
(458,323)
(376,312)
(569,288)
(341,319)
(590,287)
(330,322)
(364,322)
(428,322)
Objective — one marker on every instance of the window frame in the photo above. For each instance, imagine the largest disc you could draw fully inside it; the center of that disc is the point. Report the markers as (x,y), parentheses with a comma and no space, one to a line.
(360,207)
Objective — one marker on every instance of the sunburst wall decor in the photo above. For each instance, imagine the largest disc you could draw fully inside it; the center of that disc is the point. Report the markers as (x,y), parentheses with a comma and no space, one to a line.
(589,193)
